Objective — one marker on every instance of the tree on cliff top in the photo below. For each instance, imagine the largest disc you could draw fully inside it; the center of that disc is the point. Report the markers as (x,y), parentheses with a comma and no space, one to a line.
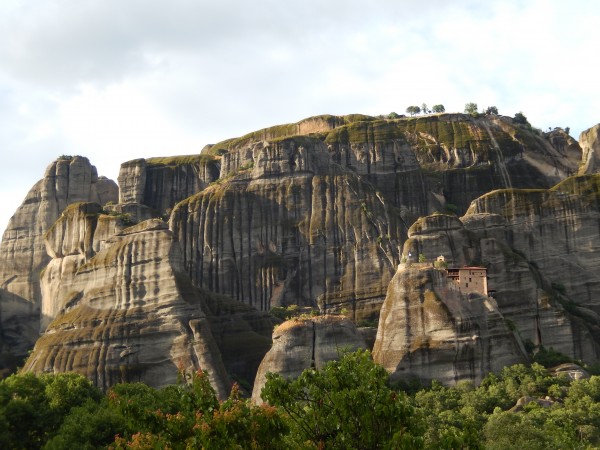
(412,110)
(471,108)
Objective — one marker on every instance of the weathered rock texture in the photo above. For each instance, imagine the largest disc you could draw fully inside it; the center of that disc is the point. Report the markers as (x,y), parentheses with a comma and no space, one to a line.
(292,227)
(542,251)
(159,183)
(23,253)
(124,315)
(300,344)
(430,331)
(590,145)
(313,213)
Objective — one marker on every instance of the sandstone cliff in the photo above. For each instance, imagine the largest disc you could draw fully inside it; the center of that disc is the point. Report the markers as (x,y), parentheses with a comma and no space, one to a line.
(124,316)
(429,330)
(302,343)
(289,227)
(23,254)
(160,183)
(312,213)
(541,250)
(590,145)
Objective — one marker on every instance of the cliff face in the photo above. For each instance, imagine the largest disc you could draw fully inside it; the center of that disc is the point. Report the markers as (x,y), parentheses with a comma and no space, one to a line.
(23,252)
(123,315)
(541,251)
(160,183)
(289,227)
(430,331)
(590,145)
(312,213)
(300,344)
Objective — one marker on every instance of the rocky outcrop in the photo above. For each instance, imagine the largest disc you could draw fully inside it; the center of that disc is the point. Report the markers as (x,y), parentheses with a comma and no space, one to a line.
(429,330)
(159,183)
(541,251)
(23,253)
(590,145)
(126,314)
(291,228)
(302,343)
(470,155)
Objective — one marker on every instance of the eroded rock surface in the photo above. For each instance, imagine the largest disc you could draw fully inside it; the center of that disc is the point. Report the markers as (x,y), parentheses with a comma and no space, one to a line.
(159,183)
(299,344)
(23,253)
(590,145)
(293,228)
(124,316)
(429,330)
(541,249)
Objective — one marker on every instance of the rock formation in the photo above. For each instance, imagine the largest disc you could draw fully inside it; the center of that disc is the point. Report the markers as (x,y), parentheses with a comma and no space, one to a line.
(590,145)
(541,250)
(429,330)
(302,343)
(313,213)
(290,227)
(160,183)
(23,254)
(124,315)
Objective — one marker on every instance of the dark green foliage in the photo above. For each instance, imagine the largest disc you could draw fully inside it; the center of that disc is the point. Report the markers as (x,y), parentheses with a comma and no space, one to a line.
(32,408)
(347,404)
(412,110)
(550,357)
(438,108)
(520,118)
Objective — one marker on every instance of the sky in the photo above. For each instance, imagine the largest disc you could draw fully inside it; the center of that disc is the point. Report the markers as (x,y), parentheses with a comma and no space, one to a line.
(115,80)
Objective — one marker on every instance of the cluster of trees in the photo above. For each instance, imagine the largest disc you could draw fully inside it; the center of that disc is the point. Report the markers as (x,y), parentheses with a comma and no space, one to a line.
(412,110)
(347,404)
(471,108)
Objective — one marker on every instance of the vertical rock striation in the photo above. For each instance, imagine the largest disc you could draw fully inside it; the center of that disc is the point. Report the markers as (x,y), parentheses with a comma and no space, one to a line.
(160,183)
(300,344)
(127,314)
(23,253)
(428,330)
(290,227)
(541,250)
(590,145)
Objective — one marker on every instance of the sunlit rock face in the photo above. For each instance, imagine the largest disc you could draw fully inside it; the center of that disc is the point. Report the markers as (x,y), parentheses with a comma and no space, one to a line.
(429,330)
(300,344)
(289,226)
(159,183)
(589,140)
(124,315)
(22,252)
(541,251)
(316,213)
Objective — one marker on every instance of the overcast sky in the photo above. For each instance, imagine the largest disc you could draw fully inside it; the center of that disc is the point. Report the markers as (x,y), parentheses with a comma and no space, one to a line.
(115,80)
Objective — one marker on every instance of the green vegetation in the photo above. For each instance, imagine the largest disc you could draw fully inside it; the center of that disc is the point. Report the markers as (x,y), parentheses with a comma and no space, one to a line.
(347,404)
(520,118)
(471,109)
(438,109)
(412,110)
(174,161)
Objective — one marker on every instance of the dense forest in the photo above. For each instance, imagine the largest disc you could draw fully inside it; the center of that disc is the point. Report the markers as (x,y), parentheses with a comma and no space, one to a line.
(348,404)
